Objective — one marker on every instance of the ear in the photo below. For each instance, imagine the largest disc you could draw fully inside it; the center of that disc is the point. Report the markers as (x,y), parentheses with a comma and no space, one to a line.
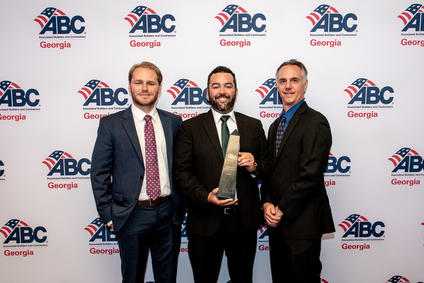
(207,94)
(306,85)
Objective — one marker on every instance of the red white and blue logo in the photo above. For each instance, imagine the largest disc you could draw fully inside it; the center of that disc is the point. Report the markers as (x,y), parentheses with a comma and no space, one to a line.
(99,96)
(184,236)
(99,233)
(337,166)
(2,176)
(18,234)
(102,241)
(188,97)
(270,105)
(408,166)
(236,21)
(358,228)
(413,18)
(413,26)
(328,21)
(63,166)
(398,279)
(54,23)
(262,234)
(13,96)
(147,23)
(364,94)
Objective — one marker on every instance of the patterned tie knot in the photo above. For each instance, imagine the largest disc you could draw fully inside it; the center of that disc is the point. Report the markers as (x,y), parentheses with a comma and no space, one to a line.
(148,118)
(283,118)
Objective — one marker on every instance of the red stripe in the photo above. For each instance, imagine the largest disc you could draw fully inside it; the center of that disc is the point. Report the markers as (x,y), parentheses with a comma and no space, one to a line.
(103,84)
(260,92)
(89,231)
(333,9)
(129,20)
(151,11)
(414,152)
(83,94)
(403,19)
(5,235)
(38,21)
(175,89)
(60,12)
(173,94)
(23,223)
(15,85)
(67,155)
(241,9)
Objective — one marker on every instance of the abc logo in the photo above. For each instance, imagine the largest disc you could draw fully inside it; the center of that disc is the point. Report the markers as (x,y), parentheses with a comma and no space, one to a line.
(412,164)
(272,97)
(64,25)
(336,23)
(338,165)
(373,95)
(103,235)
(107,97)
(417,23)
(191,96)
(245,23)
(71,167)
(154,24)
(19,98)
(365,230)
(25,235)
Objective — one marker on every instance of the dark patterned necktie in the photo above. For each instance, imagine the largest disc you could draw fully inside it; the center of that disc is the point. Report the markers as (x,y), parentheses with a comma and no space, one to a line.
(280,132)
(152,165)
(225,134)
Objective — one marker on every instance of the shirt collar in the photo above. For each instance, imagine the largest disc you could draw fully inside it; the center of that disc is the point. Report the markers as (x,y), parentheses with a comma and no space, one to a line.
(217,116)
(139,114)
(290,113)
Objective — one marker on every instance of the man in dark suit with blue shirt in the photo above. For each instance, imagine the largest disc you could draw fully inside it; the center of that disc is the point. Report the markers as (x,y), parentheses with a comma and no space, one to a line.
(295,202)
(131,176)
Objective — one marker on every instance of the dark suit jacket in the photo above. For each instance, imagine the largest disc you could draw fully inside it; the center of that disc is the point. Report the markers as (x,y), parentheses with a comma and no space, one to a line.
(198,163)
(296,177)
(117,168)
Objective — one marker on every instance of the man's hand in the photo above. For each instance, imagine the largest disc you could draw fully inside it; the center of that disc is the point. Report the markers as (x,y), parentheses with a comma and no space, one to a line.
(109,226)
(272,214)
(212,198)
(246,159)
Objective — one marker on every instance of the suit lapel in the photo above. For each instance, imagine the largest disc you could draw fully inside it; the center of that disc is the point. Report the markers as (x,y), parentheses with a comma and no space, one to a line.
(209,128)
(292,125)
(167,129)
(129,126)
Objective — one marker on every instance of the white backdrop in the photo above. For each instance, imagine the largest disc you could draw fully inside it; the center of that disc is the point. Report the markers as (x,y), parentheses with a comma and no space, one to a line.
(49,117)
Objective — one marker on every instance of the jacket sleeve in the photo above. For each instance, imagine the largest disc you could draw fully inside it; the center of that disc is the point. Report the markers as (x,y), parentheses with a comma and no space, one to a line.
(101,172)
(184,173)
(315,146)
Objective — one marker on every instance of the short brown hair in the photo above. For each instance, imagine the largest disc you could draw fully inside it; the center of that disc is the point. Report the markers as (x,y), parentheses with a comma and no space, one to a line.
(146,65)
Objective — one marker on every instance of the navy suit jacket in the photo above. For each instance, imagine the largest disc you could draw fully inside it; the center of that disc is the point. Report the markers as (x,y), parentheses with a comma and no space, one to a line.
(117,167)
(296,176)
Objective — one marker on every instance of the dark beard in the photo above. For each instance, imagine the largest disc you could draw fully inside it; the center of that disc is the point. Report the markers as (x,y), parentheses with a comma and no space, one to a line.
(224,109)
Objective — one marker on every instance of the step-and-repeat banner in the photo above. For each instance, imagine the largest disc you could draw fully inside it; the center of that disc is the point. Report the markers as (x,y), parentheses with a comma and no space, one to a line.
(64,65)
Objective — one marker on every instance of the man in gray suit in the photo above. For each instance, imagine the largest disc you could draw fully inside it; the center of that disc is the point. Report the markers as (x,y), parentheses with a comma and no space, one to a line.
(131,180)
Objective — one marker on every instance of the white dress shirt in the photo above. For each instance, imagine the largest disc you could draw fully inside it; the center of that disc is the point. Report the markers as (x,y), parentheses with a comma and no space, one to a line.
(231,122)
(165,188)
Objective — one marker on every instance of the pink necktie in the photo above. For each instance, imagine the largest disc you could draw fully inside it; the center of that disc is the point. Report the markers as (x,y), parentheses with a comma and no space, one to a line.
(152,167)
